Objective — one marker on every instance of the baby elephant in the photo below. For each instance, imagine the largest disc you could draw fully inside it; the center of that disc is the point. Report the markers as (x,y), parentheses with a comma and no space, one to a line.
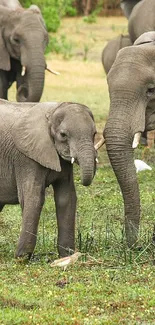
(39,143)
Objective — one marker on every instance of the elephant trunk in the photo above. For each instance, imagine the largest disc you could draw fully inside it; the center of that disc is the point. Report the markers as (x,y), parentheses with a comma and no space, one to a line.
(119,147)
(34,75)
(86,160)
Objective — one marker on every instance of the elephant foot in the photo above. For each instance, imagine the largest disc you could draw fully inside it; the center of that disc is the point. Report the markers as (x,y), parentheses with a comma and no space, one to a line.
(24,258)
(65,251)
(24,252)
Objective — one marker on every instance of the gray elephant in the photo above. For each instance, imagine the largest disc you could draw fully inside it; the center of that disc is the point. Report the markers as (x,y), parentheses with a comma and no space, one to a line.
(127,6)
(10,3)
(131,84)
(142,19)
(108,57)
(110,50)
(39,143)
(23,39)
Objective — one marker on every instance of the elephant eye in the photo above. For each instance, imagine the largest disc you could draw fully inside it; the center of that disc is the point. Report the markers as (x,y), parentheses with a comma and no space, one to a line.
(150,91)
(15,40)
(63,134)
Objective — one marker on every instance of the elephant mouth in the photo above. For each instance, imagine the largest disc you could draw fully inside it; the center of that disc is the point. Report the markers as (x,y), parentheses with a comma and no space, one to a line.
(69,159)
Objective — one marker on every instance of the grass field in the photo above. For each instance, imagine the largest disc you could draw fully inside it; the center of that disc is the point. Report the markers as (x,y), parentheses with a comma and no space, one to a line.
(110,284)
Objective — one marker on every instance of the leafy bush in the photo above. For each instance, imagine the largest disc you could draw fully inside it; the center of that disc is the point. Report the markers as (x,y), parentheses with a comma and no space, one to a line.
(51,18)
(60,45)
(52,11)
(90,18)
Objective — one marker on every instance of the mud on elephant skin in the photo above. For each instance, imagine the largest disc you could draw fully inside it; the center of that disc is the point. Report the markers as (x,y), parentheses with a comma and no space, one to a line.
(131,83)
(23,39)
(39,143)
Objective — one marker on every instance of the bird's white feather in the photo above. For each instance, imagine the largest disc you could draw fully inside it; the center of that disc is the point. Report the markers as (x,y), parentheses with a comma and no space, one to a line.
(141,165)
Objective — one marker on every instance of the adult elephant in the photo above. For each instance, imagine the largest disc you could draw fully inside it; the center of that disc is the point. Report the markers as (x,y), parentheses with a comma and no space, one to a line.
(23,39)
(131,82)
(127,6)
(142,19)
(39,143)
(108,57)
(110,50)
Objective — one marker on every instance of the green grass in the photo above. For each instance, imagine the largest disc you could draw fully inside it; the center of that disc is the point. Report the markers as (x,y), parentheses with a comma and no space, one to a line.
(110,284)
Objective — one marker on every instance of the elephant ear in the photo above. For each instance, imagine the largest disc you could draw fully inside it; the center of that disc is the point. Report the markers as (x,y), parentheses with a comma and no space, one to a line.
(148,37)
(31,135)
(4,55)
(35,9)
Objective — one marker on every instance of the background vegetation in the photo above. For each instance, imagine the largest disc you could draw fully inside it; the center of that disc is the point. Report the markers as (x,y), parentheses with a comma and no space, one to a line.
(110,284)
(54,10)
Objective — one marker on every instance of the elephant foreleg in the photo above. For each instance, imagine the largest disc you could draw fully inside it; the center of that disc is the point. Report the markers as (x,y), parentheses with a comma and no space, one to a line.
(4,85)
(65,202)
(31,204)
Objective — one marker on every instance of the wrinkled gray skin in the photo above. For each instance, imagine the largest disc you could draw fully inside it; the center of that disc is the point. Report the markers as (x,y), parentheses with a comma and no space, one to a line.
(10,3)
(131,82)
(37,143)
(108,57)
(142,19)
(23,39)
(127,6)
(110,50)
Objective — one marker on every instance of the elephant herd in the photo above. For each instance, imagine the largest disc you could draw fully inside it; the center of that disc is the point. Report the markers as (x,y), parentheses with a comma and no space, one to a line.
(41,141)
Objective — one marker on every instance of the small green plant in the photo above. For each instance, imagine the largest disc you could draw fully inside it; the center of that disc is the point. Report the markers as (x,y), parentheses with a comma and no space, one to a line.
(86,50)
(60,45)
(53,45)
(70,11)
(90,19)
(113,27)
(66,47)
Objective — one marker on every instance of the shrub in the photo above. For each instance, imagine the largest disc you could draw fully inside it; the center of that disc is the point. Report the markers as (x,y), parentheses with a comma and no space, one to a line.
(52,11)
(60,45)
(51,18)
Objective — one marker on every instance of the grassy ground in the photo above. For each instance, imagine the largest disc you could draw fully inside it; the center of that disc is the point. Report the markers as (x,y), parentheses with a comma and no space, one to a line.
(109,284)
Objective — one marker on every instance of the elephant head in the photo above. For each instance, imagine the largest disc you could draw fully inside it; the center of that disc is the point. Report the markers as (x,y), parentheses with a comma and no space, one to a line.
(51,131)
(23,37)
(112,47)
(131,82)
(141,19)
(127,6)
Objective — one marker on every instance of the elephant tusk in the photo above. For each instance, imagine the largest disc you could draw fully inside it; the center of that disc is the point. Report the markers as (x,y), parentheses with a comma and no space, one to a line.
(23,71)
(97,160)
(136,140)
(72,160)
(99,144)
(52,71)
